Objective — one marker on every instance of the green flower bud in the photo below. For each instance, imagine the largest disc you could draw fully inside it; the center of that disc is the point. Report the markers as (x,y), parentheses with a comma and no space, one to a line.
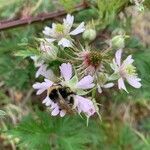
(118,42)
(89,34)
(49,51)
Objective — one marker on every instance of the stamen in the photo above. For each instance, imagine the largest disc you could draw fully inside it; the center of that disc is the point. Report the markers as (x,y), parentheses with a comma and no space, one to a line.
(94,58)
(60,28)
(130,69)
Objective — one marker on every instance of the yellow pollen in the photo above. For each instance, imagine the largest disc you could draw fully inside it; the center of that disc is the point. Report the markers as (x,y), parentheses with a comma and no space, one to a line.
(59,28)
(130,69)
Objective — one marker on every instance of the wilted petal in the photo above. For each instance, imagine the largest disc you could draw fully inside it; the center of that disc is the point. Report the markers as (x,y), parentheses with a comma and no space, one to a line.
(66,71)
(118,57)
(134,81)
(121,84)
(85,105)
(78,30)
(62,113)
(86,82)
(65,43)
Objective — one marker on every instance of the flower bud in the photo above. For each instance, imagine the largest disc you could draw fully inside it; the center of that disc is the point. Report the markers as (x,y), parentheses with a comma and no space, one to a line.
(49,51)
(89,34)
(118,42)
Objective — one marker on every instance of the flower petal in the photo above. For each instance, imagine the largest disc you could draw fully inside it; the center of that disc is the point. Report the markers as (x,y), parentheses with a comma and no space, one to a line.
(65,42)
(47,31)
(62,113)
(134,81)
(78,30)
(128,61)
(121,84)
(85,105)
(47,101)
(108,85)
(47,73)
(55,112)
(68,22)
(118,57)
(66,71)
(86,82)
(41,87)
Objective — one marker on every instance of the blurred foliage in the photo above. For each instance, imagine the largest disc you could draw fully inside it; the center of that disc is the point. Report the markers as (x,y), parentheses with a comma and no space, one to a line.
(73,134)
(40,131)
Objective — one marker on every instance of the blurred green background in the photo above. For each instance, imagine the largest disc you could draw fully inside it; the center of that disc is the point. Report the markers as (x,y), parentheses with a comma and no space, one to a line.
(25,124)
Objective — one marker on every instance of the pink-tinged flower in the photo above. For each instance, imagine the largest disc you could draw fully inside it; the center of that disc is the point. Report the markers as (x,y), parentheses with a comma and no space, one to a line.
(86,83)
(61,32)
(126,71)
(80,104)
(41,87)
(43,71)
(66,72)
(84,105)
(91,61)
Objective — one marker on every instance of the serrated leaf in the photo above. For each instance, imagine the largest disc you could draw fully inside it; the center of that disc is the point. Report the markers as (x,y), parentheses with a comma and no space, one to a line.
(26,53)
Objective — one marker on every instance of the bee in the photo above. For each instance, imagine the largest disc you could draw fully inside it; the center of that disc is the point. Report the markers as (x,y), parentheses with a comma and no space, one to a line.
(63,96)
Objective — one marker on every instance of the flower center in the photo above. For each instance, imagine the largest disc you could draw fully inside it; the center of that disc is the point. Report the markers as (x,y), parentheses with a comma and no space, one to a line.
(130,70)
(59,28)
(94,58)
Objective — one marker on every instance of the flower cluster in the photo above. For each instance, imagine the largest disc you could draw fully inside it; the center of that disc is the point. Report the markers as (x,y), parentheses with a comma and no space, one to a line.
(82,69)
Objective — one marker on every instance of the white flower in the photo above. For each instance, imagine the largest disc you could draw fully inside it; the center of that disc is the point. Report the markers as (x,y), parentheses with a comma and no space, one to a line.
(43,71)
(126,71)
(81,104)
(61,32)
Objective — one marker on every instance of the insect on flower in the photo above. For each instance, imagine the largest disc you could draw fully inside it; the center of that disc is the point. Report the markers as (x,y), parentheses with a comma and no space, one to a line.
(61,32)
(64,97)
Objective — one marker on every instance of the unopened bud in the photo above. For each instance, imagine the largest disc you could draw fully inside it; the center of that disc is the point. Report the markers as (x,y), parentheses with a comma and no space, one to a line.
(89,34)
(49,51)
(118,42)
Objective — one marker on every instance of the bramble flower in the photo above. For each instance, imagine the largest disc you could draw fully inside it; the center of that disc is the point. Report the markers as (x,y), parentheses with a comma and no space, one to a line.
(61,32)
(125,71)
(91,61)
(81,104)
(92,64)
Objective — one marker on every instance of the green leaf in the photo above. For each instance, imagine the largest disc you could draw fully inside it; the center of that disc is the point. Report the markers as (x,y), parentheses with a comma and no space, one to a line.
(26,53)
